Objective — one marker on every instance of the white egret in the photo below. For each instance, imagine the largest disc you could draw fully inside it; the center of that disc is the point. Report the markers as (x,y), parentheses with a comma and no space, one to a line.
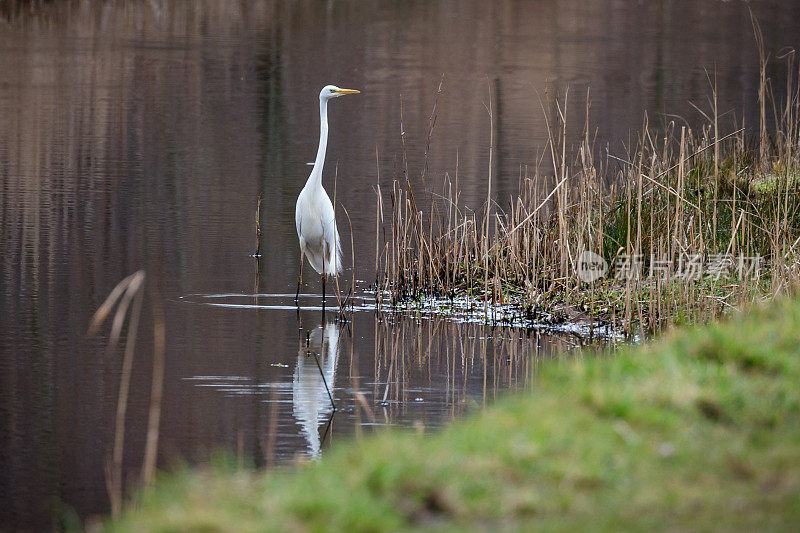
(314,214)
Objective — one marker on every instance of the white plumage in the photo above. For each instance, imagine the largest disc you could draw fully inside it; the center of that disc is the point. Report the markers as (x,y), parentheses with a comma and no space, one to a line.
(316,229)
(314,215)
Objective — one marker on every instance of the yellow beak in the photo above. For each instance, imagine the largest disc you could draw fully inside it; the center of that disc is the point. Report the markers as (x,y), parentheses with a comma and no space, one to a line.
(347,91)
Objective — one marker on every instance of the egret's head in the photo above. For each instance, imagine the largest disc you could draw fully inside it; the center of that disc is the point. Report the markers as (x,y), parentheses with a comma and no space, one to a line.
(332,91)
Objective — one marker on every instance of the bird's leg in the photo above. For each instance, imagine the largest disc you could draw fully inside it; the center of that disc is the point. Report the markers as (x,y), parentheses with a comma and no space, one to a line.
(323,289)
(299,281)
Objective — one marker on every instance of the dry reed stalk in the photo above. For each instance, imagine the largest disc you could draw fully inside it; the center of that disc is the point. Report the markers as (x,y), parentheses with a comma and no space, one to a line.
(431,125)
(128,290)
(488,200)
(352,270)
(156,390)
(272,429)
(257,253)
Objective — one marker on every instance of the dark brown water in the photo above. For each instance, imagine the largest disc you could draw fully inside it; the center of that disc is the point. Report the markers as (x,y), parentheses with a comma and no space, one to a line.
(139,135)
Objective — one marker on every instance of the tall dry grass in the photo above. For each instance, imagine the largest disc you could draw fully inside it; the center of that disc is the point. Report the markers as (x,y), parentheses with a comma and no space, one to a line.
(692,222)
(125,303)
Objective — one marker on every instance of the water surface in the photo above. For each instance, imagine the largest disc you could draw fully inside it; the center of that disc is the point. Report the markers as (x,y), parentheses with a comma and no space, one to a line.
(139,135)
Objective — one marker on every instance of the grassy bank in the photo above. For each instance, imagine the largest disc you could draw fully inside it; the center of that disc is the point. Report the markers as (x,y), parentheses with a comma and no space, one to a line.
(698,431)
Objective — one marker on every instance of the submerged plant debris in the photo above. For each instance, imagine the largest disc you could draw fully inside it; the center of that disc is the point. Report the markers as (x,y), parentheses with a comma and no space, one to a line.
(510,314)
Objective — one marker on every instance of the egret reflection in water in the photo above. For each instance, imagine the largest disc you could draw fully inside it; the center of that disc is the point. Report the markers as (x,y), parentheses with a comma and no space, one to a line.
(314,375)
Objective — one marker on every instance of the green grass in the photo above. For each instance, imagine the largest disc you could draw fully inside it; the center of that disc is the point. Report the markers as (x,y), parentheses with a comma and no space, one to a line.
(699,431)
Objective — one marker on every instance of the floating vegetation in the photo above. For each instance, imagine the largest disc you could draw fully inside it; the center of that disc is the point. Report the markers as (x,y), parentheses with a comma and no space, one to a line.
(461,309)
(466,309)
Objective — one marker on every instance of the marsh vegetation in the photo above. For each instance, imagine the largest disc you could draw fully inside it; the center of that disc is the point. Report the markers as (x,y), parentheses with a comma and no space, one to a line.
(689,223)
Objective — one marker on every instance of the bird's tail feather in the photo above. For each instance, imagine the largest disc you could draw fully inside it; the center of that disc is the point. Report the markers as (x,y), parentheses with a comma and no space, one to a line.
(338,255)
(330,258)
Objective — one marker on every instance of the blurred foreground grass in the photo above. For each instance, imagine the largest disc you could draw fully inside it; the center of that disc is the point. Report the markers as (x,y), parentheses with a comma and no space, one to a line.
(699,431)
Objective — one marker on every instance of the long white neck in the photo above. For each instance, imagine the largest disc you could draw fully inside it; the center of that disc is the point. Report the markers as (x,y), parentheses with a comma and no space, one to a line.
(315,179)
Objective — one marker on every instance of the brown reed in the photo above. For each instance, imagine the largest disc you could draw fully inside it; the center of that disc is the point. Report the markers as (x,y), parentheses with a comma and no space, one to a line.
(679,195)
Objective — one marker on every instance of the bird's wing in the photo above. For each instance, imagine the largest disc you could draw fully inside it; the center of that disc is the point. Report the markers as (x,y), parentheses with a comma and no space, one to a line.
(333,248)
(298,215)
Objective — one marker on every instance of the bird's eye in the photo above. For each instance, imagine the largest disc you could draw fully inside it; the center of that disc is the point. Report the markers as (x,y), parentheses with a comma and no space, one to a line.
(333,90)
